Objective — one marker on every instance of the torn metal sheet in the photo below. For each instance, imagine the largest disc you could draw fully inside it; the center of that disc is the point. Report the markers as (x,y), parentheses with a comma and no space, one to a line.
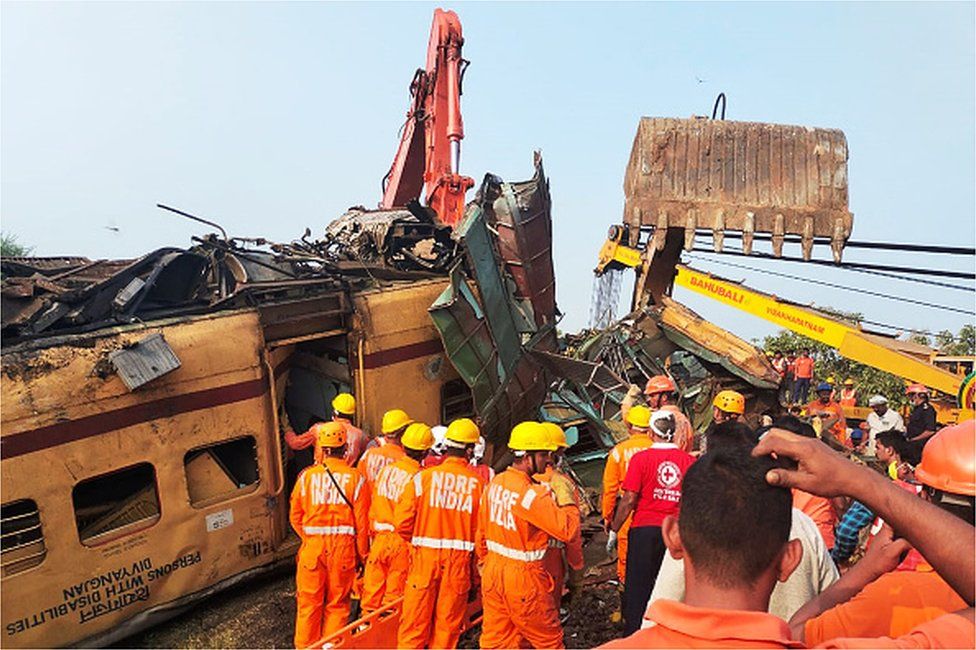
(520,214)
(144,361)
(506,385)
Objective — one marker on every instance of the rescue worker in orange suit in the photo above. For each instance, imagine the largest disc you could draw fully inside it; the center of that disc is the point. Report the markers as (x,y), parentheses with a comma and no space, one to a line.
(559,555)
(389,554)
(329,513)
(438,515)
(344,412)
(662,394)
(870,600)
(516,520)
(831,414)
(394,424)
(638,421)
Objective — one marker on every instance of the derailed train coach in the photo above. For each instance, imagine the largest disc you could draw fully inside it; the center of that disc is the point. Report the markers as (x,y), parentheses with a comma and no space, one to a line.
(123,504)
(144,402)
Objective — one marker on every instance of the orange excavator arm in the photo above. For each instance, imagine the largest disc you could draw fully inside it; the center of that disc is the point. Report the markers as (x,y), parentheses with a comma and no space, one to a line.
(428,158)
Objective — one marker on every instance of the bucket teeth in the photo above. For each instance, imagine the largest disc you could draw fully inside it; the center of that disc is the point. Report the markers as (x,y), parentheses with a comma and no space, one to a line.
(779,233)
(807,238)
(718,231)
(748,228)
(691,225)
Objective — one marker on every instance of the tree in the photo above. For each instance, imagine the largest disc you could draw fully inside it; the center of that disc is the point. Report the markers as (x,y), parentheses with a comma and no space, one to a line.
(962,343)
(10,247)
(828,363)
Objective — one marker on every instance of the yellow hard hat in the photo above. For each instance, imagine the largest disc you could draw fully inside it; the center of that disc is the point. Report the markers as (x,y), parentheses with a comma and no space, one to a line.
(394,420)
(830,380)
(848,382)
(639,416)
(463,431)
(556,434)
(530,436)
(344,404)
(418,437)
(329,434)
(730,402)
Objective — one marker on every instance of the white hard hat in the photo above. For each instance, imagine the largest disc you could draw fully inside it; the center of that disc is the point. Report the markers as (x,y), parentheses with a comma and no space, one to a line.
(877,400)
(663,424)
(440,441)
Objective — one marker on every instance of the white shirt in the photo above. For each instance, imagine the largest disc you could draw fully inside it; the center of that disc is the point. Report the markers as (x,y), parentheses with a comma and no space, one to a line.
(814,573)
(890,420)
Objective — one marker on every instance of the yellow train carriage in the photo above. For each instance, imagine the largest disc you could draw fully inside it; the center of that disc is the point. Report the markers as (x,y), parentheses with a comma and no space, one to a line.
(122,506)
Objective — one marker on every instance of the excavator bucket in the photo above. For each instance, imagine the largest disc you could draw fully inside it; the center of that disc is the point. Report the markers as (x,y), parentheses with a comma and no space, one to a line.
(742,180)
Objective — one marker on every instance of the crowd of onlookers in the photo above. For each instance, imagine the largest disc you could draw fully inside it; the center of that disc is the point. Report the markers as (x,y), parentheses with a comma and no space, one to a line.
(767,537)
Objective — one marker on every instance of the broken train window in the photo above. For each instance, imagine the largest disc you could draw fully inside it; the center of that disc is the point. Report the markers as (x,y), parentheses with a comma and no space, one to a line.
(456,401)
(119,502)
(21,537)
(221,471)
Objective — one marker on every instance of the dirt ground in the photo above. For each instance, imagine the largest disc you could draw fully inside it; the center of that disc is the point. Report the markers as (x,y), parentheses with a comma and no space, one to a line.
(261,614)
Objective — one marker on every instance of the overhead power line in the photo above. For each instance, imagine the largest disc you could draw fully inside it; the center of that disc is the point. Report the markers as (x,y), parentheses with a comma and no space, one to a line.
(868,292)
(851,265)
(873,245)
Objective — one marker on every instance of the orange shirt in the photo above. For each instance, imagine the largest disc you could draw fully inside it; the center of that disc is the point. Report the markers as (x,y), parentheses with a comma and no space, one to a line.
(616,469)
(319,510)
(683,626)
(803,368)
(820,510)
(387,490)
(564,492)
(439,507)
(890,606)
(518,517)
(949,631)
(839,428)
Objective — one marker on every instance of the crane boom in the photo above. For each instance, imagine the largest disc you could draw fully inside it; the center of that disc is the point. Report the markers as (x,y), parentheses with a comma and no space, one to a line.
(429,155)
(849,340)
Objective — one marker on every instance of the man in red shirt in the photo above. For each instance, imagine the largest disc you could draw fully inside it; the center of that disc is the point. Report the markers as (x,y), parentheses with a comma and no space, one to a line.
(652,491)
(802,377)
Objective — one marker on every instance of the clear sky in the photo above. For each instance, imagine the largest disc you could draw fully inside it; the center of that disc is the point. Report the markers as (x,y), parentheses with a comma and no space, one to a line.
(270,117)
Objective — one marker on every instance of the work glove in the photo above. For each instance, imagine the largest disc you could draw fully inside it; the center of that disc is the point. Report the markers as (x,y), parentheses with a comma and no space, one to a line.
(612,543)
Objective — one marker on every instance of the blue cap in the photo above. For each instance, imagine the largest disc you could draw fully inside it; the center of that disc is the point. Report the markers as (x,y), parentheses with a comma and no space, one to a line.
(824,386)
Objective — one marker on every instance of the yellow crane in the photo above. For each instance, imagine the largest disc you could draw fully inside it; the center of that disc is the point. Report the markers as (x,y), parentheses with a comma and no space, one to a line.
(883,353)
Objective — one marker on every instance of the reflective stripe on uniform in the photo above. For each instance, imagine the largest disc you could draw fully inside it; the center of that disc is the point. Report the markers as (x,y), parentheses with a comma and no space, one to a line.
(453,544)
(329,530)
(514,553)
(381,527)
(528,498)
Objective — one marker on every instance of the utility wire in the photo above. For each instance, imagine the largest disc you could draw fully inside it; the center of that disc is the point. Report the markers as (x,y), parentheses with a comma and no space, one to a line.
(887,246)
(861,291)
(905,278)
(851,265)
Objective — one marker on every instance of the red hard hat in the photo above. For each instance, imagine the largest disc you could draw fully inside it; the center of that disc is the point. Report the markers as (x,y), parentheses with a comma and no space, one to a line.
(949,460)
(660,384)
(916,388)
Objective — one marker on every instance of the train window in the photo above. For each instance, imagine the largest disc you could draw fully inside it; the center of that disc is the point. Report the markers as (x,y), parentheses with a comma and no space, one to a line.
(21,537)
(221,471)
(116,504)
(456,401)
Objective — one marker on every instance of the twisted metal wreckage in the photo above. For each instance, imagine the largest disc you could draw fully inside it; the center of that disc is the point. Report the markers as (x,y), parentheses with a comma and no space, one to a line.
(496,318)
